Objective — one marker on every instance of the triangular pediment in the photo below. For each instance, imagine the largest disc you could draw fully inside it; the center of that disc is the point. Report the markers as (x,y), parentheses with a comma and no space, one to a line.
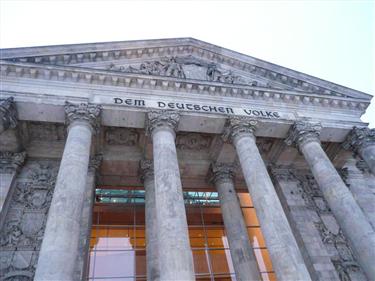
(181,58)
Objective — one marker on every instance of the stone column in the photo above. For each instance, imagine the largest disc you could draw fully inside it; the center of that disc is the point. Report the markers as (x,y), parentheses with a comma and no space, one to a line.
(175,256)
(86,219)
(244,261)
(10,164)
(147,176)
(286,258)
(362,141)
(340,200)
(58,253)
(8,114)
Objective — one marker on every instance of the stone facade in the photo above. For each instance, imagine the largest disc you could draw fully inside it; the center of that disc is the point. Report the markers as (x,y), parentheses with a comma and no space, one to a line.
(177,114)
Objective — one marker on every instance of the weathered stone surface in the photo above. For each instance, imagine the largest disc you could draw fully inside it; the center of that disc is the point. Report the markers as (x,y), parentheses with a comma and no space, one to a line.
(243,258)
(362,141)
(340,200)
(22,229)
(175,256)
(86,219)
(327,249)
(286,258)
(152,225)
(58,253)
(8,114)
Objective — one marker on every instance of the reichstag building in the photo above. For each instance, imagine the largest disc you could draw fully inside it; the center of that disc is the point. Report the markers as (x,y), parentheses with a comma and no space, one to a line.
(176,159)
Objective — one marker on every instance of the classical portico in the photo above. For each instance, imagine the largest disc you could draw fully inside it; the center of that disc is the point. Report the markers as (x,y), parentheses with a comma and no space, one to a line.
(179,160)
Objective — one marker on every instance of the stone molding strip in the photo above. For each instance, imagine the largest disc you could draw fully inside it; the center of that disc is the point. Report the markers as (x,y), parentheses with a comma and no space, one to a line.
(99,77)
(174,50)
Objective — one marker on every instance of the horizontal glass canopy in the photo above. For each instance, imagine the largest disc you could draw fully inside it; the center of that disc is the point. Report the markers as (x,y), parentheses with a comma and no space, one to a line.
(138,196)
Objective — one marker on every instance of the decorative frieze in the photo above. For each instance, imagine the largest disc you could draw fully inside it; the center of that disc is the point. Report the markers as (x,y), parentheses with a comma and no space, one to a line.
(121,136)
(42,131)
(162,118)
(11,161)
(193,141)
(303,132)
(141,81)
(8,114)
(237,125)
(359,138)
(89,113)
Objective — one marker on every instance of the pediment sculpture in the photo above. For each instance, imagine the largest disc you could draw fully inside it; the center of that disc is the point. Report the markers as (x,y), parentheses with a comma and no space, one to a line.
(187,67)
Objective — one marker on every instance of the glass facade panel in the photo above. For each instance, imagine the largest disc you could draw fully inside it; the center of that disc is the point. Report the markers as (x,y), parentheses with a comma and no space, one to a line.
(114,264)
(200,258)
(221,261)
(250,216)
(118,237)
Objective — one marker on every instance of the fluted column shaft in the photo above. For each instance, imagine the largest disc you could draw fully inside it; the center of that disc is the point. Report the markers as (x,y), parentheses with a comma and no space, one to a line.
(362,141)
(175,256)
(58,253)
(286,258)
(152,258)
(340,200)
(244,261)
(86,219)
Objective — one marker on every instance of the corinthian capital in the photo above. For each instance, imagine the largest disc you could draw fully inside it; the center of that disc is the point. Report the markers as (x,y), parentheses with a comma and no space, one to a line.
(303,132)
(162,118)
(89,113)
(222,172)
(11,161)
(239,125)
(359,138)
(8,114)
(146,169)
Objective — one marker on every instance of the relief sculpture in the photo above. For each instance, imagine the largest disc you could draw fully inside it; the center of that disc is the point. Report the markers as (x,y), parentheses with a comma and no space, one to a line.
(330,232)
(22,233)
(185,67)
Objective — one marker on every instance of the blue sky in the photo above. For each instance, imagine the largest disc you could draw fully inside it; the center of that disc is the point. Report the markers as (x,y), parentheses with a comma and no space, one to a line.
(333,40)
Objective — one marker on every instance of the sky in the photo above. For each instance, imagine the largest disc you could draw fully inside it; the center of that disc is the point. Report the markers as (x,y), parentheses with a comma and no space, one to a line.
(332,40)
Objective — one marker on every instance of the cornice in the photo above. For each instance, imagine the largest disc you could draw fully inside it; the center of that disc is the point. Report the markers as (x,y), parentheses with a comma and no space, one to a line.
(101,77)
(147,49)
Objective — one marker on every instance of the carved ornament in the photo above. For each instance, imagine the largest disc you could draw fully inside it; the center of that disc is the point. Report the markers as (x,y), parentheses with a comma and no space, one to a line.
(175,67)
(95,162)
(146,169)
(193,141)
(359,138)
(23,229)
(42,131)
(89,113)
(239,125)
(327,98)
(121,136)
(222,172)
(162,118)
(11,161)
(303,132)
(8,113)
